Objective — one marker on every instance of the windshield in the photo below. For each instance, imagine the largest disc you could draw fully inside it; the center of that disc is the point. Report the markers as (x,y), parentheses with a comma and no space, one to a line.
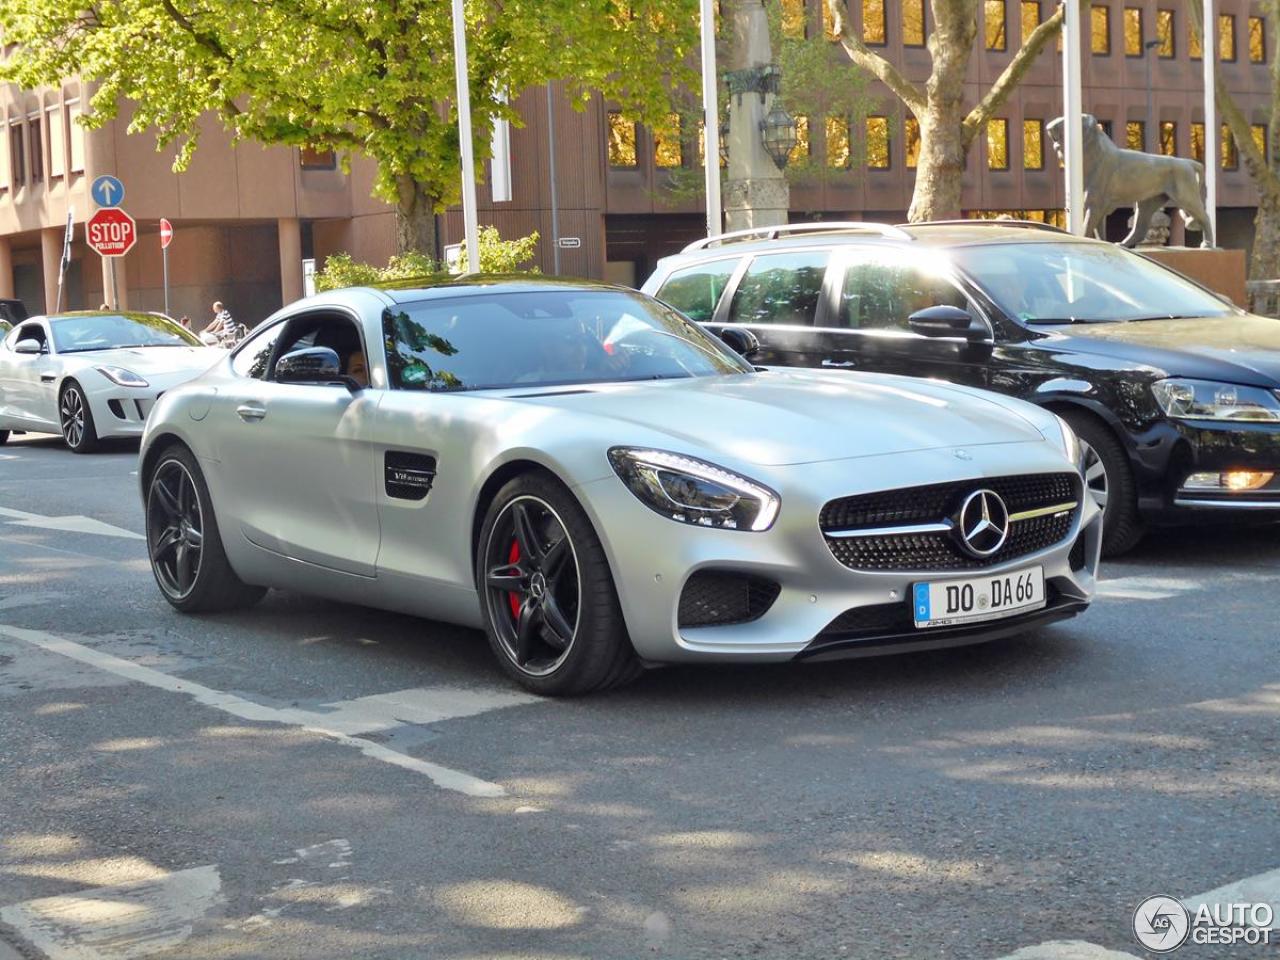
(108,331)
(1083,283)
(544,338)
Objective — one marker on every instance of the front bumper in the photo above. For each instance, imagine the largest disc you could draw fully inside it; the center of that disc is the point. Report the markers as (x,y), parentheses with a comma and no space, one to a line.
(1209,446)
(652,559)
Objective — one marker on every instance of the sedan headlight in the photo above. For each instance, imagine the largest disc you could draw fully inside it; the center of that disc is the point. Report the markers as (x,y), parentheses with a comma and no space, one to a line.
(122,377)
(1208,400)
(694,491)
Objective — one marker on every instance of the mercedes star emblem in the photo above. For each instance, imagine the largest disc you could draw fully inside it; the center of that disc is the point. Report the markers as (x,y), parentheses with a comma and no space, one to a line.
(983,523)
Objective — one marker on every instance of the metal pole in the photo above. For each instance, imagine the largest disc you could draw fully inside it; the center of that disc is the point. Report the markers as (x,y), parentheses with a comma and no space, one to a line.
(164,253)
(1072,95)
(1209,47)
(555,203)
(115,294)
(710,119)
(1148,123)
(469,219)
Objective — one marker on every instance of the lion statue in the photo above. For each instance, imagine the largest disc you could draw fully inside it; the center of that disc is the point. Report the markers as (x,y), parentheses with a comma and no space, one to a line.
(1115,177)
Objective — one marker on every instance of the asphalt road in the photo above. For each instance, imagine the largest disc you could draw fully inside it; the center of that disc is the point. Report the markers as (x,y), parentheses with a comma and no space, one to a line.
(309,779)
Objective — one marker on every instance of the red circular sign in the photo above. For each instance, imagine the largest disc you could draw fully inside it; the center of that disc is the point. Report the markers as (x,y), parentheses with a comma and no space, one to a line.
(166,233)
(111,232)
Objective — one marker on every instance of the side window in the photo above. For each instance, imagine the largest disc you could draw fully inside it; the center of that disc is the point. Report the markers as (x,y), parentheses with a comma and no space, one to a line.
(781,288)
(252,358)
(695,291)
(338,332)
(882,294)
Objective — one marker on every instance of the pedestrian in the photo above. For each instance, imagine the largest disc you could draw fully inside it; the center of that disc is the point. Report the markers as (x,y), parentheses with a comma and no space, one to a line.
(185,321)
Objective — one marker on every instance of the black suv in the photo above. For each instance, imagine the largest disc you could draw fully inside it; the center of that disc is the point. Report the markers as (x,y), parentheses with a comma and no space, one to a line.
(1176,391)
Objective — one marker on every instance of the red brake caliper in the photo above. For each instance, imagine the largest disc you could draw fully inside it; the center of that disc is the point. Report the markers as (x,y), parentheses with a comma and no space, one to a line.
(513,598)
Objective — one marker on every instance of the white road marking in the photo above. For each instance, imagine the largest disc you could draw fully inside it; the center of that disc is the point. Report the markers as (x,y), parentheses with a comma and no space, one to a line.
(68,524)
(121,922)
(383,711)
(248,710)
(1067,950)
(1263,888)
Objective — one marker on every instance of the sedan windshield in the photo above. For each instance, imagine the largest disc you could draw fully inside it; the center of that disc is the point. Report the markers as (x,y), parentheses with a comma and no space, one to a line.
(109,331)
(1083,283)
(546,337)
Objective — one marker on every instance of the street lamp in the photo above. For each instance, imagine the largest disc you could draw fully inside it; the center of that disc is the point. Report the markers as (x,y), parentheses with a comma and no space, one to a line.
(778,131)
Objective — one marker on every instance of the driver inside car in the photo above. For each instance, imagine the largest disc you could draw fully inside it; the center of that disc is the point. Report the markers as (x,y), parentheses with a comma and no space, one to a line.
(357,368)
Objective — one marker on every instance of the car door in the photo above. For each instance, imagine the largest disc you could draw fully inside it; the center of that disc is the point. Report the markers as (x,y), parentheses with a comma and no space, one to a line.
(296,457)
(780,298)
(876,292)
(28,382)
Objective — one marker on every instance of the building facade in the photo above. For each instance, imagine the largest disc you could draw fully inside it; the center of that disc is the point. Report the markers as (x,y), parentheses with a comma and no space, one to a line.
(246,217)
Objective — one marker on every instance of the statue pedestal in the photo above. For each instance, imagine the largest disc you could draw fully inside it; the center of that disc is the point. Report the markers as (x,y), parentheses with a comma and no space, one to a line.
(1222,271)
(757,202)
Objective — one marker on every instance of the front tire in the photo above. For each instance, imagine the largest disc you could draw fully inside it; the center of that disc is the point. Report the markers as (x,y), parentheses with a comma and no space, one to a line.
(76,419)
(187,558)
(1109,480)
(550,609)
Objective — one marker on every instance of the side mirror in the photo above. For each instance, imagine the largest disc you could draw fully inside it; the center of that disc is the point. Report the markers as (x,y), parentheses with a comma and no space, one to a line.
(316,365)
(948,321)
(28,346)
(742,342)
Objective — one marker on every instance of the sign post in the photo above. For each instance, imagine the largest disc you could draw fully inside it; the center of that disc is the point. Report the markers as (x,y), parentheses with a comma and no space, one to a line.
(166,238)
(66,255)
(111,233)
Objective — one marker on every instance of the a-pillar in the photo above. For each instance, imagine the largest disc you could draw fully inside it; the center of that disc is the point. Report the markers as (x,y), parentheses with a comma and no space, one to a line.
(290,234)
(50,261)
(115,266)
(6,268)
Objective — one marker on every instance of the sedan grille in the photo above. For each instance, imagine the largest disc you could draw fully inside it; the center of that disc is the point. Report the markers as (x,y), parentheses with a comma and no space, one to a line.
(916,528)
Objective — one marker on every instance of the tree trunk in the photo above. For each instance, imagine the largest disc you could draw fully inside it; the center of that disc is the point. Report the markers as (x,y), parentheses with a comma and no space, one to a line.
(943,140)
(415,219)
(1265,263)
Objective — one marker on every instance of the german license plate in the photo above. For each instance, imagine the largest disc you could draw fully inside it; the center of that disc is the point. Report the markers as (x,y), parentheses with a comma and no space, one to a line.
(946,603)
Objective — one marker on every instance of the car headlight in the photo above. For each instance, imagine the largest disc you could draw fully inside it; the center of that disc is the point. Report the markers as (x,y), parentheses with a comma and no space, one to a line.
(694,491)
(122,377)
(1208,400)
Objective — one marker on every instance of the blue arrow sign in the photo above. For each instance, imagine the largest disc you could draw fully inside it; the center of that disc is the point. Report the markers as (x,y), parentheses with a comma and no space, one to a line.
(107,191)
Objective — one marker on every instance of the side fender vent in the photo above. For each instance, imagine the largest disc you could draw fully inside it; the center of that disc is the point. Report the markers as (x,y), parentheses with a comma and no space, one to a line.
(409,475)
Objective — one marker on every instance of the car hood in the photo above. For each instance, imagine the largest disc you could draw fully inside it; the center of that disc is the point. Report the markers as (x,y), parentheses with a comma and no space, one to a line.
(1238,349)
(152,360)
(784,417)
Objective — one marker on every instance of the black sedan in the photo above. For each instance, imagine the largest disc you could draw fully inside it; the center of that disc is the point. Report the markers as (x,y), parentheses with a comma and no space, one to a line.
(1176,391)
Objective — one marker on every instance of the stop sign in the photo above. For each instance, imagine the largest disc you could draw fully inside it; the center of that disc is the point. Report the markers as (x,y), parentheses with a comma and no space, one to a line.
(111,232)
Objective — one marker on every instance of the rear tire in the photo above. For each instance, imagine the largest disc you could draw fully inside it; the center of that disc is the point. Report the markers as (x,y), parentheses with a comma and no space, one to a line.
(76,419)
(1114,487)
(550,608)
(187,559)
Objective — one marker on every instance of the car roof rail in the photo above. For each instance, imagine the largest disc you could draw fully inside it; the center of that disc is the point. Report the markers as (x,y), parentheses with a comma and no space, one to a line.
(790,229)
(983,222)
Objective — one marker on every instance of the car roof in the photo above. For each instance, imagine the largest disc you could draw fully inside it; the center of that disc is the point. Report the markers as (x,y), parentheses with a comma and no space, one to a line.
(478,284)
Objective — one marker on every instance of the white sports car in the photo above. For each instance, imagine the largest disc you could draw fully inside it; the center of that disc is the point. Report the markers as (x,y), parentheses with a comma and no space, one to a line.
(92,374)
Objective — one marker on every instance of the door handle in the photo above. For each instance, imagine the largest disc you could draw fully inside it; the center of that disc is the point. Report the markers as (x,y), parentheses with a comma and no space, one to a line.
(844,364)
(251,412)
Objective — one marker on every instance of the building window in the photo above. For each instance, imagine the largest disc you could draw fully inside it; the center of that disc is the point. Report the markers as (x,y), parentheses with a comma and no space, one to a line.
(913,23)
(997,144)
(993,16)
(1030,18)
(793,19)
(873,33)
(1033,144)
(1135,135)
(1164,33)
(1230,155)
(800,152)
(76,133)
(1133,31)
(622,141)
(57,141)
(1100,24)
(668,152)
(1193,41)
(1197,142)
(1227,37)
(1259,131)
(314,158)
(1169,138)
(1257,40)
(911,153)
(878,143)
(17,154)
(37,148)
(838,143)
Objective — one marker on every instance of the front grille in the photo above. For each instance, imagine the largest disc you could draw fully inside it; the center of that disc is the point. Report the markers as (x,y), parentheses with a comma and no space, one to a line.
(939,503)
(720,598)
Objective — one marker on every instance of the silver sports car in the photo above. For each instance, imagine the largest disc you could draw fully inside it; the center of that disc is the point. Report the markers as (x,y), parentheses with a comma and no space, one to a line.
(599,484)
(90,375)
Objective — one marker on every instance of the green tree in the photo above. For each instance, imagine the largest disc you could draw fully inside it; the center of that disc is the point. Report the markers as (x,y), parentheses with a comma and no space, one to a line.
(375,78)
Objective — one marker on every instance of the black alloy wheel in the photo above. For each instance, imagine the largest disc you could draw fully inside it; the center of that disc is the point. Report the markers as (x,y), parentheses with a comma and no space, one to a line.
(76,419)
